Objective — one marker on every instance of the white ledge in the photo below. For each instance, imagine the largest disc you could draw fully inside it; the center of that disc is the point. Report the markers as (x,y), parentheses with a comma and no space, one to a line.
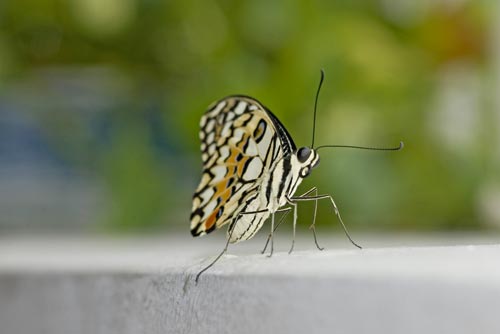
(148,287)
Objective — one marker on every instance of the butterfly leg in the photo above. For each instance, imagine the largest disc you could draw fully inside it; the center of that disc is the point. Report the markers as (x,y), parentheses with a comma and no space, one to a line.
(272,238)
(337,212)
(286,212)
(217,258)
(213,262)
(294,204)
(313,225)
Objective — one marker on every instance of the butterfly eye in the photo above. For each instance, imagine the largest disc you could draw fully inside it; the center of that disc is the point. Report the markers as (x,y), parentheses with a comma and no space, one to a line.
(303,154)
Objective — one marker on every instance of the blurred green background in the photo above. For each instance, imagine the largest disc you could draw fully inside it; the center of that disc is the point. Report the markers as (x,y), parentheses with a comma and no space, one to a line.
(100,102)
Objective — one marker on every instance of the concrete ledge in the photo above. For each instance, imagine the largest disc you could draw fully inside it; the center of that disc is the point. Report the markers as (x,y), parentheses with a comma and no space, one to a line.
(71,287)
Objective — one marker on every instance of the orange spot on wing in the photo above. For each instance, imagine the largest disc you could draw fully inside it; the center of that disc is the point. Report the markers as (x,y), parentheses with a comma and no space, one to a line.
(220,188)
(210,221)
(232,158)
(225,195)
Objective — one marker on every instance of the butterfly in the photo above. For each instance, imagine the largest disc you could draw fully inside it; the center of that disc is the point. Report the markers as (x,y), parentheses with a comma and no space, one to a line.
(251,170)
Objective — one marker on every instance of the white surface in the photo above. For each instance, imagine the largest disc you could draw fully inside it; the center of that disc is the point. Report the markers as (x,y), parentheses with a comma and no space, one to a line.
(134,286)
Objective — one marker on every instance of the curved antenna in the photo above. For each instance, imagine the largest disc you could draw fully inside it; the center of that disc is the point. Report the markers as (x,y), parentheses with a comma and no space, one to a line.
(400,147)
(316,105)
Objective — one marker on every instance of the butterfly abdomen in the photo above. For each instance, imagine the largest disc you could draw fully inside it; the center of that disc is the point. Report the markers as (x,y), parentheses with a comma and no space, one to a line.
(276,186)
(247,224)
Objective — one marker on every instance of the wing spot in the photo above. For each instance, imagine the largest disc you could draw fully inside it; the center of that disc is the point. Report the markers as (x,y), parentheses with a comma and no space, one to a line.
(224,153)
(219,172)
(220,212)
(260,131)
(250,147)
(209,209)
(217,108)
(196,203)
(252,170)
(204,181)
(240,108)
(226,130)
(203,121)
(210,138)
(265,143)
(206,195)
(210,126)
(220,118)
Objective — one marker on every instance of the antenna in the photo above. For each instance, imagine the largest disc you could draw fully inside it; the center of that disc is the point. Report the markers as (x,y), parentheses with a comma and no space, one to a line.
(400,147)
(316,105)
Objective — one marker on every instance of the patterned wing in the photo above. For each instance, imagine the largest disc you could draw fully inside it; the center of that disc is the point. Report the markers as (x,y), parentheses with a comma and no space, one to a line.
(240,141)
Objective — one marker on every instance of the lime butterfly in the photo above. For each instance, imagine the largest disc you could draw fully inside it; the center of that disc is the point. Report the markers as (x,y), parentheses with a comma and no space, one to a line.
(251,170)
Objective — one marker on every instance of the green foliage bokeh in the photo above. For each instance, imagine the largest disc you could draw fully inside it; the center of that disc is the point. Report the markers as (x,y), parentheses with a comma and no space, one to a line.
(161,63)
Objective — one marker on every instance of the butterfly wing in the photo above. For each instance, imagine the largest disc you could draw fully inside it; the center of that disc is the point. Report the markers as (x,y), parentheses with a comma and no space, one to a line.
(240,140)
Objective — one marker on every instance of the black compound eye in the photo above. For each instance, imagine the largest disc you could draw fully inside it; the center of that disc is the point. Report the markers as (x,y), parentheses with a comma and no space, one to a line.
(303,154)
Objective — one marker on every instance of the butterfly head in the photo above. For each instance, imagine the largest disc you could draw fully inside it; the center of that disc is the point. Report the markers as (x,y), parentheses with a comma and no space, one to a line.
(307,158)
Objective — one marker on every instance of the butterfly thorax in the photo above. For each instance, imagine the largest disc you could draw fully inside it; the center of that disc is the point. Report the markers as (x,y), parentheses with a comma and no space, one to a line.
(282,181)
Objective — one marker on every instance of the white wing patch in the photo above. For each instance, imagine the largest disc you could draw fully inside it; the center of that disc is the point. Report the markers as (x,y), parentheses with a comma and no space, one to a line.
(240,108)
(252,148)
(206,196)
(219,172)
(254,169)
(265,143)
